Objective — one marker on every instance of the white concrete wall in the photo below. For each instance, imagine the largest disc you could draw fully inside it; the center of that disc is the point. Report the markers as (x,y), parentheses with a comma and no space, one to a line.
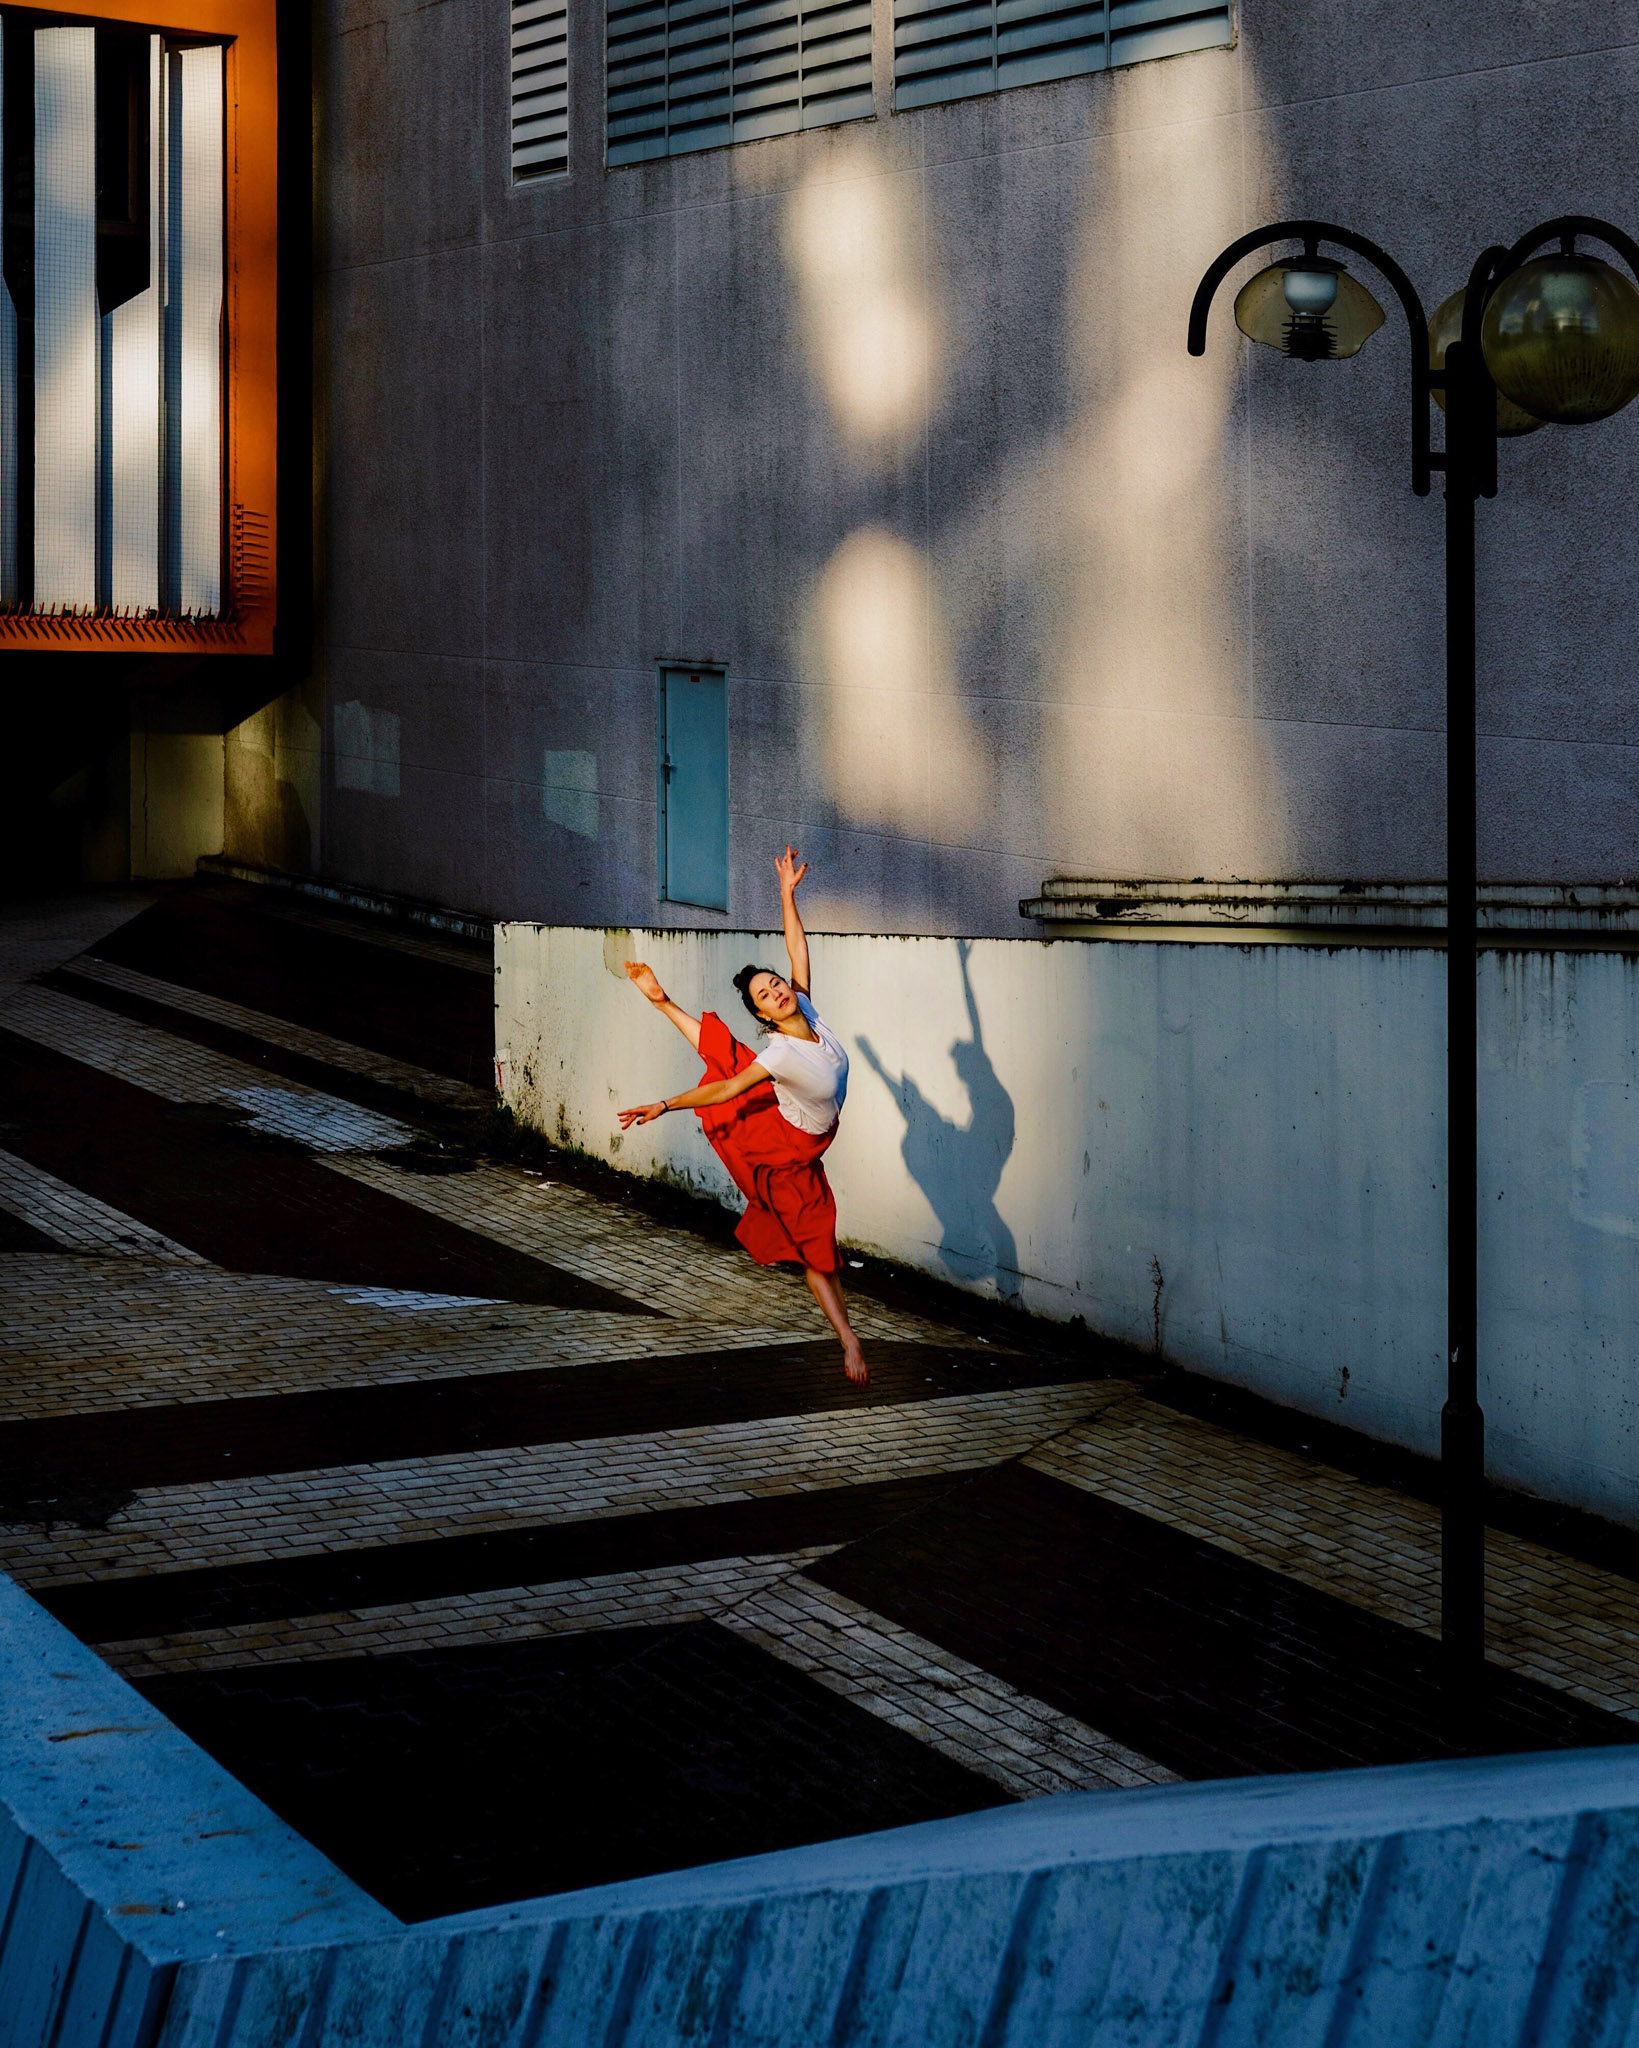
(1236,1149)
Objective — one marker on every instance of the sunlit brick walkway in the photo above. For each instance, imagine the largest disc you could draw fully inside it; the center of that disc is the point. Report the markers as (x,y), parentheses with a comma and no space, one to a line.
(373,1454)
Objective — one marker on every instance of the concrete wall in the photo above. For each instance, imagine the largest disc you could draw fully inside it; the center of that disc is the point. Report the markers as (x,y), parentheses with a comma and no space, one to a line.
(1489,1901)
(177,802)
(1233,1154)
(126,1854)
(272,783)
(147,1901)
(895,420)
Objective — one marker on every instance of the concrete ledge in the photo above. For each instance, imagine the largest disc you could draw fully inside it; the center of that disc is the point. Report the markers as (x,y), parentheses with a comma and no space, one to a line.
(1351,910)
(461,924)
(126,1853)
(1484,1902)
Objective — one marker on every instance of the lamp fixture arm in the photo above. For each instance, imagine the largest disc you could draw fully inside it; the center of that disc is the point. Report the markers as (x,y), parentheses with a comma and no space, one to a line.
(1564,228)
(1312,233)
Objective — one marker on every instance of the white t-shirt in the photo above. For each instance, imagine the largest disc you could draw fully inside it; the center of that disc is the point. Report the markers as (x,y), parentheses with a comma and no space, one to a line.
(810,1075)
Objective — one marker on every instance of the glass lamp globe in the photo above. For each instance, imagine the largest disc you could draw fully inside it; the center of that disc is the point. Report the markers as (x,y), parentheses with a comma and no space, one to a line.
(1310,309)
(1561,339)
(1447,327)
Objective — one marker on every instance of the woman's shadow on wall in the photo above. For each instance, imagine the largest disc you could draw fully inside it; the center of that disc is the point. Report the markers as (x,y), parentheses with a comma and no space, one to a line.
(959,1166)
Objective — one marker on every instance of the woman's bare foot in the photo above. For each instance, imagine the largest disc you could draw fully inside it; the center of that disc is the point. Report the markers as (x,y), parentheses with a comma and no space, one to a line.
(826,1289)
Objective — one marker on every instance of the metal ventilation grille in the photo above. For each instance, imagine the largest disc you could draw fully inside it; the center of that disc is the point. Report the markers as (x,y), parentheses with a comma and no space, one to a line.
(540,87)
(950,49)
(692,74)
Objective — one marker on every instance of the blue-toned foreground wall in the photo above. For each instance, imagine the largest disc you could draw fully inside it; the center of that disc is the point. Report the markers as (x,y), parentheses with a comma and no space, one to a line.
(126,1854)
(146,1898)
(1483,1903)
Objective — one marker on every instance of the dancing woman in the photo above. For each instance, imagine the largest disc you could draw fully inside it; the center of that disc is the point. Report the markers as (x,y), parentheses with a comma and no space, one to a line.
(771,1115)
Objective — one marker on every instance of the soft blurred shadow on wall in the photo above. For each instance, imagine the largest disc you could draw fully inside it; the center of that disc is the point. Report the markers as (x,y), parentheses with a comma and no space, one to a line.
(898,746)
(1130,525)
(1155,764)
(871,322)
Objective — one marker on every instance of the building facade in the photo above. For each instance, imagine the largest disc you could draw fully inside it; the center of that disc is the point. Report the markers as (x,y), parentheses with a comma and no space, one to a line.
(886,430)
(739,423)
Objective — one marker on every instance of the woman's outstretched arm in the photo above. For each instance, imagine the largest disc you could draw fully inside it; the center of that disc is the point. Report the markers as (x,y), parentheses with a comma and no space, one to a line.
(647,982)
(703,1097)
(791,872)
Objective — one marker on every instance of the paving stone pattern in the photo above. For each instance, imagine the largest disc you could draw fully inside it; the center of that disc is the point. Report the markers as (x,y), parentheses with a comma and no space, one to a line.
(697,1591)
(371,1464)
(76,1221)
(232,1520)
(1548,1615)
(667,1270)
(81,1336)
(354,1579)
(230,1177)
(966,1712)
(36,937)
(318,1046)
(392,995)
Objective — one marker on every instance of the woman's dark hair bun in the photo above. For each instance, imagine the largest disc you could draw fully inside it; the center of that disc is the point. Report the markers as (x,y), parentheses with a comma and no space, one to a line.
(743,981)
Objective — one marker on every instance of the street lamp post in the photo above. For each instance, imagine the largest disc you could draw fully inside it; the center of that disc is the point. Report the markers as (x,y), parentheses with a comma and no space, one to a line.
(1530,340)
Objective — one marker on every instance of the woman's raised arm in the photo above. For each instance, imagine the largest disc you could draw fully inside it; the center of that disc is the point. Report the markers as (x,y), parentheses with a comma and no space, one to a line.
(644,979)
(791,871)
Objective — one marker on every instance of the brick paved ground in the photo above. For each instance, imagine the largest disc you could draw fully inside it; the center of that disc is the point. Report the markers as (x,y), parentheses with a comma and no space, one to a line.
(507,1533)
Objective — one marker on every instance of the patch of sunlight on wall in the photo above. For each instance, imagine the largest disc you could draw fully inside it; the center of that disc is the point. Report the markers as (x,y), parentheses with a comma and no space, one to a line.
(872,333)
(272,766)
(1154,763)
(898,748)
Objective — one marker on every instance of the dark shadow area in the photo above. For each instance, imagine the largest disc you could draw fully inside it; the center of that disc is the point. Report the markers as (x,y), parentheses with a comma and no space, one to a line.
(248,1200)
(273,1589)
(18,1236)
(1214,1666)
(442,1781)
(959,1166)
(225,939)
(555,1403)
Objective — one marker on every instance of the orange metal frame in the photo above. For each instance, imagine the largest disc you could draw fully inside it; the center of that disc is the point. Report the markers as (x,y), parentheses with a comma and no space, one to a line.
(250,381)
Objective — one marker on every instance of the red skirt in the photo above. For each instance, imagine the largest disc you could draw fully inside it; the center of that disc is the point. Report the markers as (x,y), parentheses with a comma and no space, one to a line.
(791,1213)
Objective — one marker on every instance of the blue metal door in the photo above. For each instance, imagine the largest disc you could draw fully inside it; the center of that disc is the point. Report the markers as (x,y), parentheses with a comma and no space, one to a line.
(694,787)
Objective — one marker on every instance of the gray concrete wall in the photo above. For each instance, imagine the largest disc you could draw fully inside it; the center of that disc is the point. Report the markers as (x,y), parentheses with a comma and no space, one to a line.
(896,421)
(178,783)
